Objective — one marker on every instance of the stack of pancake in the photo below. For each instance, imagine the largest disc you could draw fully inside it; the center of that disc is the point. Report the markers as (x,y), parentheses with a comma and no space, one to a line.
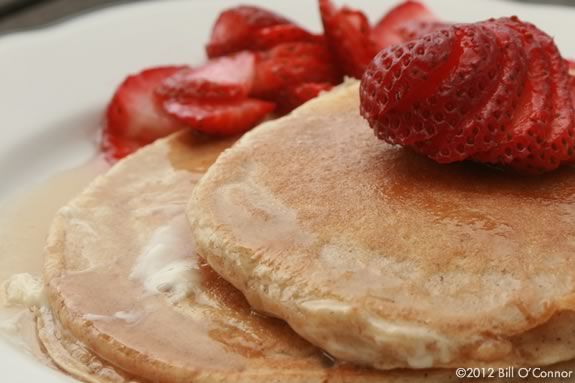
(309,251)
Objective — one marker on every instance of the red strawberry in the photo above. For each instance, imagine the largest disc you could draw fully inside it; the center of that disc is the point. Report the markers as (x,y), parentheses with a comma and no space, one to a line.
(219,118)
(527,128)
(293,97)
(496,92)
(406,21)
(572,80)
(225,78)
(134,118)
(269,37)
(348,34)
(571,65)
(251,28)
(572,83)
(290,64)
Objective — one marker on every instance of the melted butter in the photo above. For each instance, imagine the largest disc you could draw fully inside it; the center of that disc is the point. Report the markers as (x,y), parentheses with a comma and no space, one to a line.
(24,223)
(167,264)
(23,289)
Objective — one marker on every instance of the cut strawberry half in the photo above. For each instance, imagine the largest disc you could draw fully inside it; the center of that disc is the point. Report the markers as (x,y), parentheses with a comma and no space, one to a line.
(288,65)
(134,117)
(349,36)
(225,78)
(219,118)
(252,28)
(406,21)
(298,95)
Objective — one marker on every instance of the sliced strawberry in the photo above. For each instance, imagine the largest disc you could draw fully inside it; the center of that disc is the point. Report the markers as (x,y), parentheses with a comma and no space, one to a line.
(572,83)
(225,78)
(288,65)
(571,65)
(402,94)
(406,21)
(266,38)
(414,29)
(560,141)
(348,35)
(115,148)
(293,97)
(496,91)
(252,28)
(219,118)
(134,118)
(530,118)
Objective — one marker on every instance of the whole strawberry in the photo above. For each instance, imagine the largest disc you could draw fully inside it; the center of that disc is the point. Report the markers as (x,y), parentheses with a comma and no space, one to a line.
(496,92)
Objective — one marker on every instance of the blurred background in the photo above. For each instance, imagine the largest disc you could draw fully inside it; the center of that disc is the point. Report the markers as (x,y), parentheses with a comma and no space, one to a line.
(22,14)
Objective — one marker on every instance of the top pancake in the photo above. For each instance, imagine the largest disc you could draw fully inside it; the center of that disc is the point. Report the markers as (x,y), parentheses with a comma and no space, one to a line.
(383,257)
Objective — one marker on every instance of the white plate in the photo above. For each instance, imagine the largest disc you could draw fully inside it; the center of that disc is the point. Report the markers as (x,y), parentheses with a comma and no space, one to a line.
(55,82)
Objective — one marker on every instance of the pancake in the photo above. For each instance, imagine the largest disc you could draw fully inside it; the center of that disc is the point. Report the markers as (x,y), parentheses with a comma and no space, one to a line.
(385,258)
(129,300)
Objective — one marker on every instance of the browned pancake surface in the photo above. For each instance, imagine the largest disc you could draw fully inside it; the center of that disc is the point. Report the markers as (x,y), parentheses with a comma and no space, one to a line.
(384,257)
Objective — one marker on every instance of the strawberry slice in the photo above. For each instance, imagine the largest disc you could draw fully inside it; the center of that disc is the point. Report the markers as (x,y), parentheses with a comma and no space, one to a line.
(406,21)
(348,34)
(252,28)
(219,118)
(225,78)
(234,27)
(134,117)
(290,64)
(300,94)
(269,37)
(571,65)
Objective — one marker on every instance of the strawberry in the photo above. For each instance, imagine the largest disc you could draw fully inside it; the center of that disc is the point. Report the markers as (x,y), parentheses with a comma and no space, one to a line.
(290,64)
(495,92)
(295,96)
(269,37)
(405,22)
(252,28)
(219,118)
(348,35)
(527,128)
(225,78)
(572,79)
(213,98)
(134,118)
(571,65)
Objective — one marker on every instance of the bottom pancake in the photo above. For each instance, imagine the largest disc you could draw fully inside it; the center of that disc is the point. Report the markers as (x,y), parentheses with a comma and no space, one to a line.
(131,300)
